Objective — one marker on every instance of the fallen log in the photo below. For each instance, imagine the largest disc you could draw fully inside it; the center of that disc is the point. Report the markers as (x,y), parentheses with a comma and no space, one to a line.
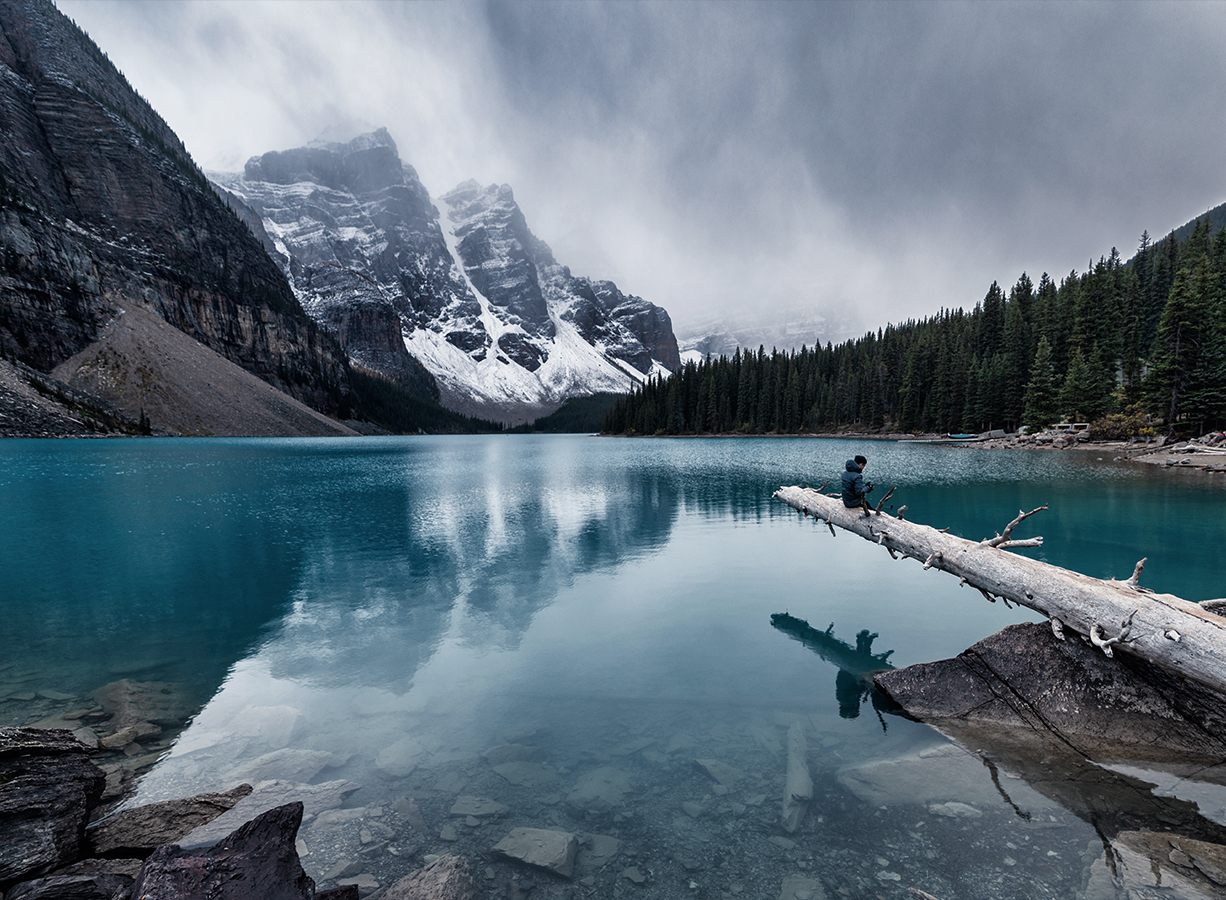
(1177,635)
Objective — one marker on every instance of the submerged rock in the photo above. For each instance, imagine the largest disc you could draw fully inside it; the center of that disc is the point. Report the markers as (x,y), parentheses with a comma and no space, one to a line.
(399,760)
(597,850)
(540,847)
(601,789)
(287,763)
(271,725)
(798,887)
(525,773)
(508,753)
(131,702)
(447,878)
(138,832)
(267,795)
(942,774)
(477,806)
(720,772)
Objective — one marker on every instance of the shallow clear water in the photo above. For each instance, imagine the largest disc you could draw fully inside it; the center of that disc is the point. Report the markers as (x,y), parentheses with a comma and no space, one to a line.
(387,610)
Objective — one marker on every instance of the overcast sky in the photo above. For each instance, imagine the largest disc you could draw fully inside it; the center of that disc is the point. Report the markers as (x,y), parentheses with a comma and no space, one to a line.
(730,158)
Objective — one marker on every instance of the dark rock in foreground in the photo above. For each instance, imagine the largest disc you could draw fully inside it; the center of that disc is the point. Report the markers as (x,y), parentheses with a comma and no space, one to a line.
(47,788)
(258,860)
(1023,677)
(73,887)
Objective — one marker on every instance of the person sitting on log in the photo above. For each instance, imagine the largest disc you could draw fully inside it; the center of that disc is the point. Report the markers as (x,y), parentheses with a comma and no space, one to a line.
(855,488)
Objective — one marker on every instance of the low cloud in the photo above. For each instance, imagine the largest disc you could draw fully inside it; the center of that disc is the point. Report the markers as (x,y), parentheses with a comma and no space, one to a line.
(875,160)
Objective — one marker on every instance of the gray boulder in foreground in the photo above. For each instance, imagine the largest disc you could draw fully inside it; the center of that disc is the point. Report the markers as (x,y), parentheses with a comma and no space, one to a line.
(135,833)
(259,860)
(1023,677)
(47,788)
(447,878)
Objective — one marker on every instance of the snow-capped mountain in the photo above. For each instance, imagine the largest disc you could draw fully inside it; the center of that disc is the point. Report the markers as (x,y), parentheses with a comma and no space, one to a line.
(506,332)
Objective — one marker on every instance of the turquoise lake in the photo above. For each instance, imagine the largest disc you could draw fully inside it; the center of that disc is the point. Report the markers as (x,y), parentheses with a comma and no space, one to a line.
(564,625)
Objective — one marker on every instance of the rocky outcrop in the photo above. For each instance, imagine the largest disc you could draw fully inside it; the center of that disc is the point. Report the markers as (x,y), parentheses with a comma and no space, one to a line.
(257,860)
(101,205)
(360,314)
(355,232)
(502,259)
(47,788)
(517,273)
(1023,678)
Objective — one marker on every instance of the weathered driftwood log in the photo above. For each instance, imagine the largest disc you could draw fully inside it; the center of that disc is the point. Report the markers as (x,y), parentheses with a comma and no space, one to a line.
(1180,636)
(798,790)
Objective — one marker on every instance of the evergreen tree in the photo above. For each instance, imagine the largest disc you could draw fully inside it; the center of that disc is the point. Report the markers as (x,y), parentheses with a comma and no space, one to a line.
(1176,347)
(1042,400)
(1079,388)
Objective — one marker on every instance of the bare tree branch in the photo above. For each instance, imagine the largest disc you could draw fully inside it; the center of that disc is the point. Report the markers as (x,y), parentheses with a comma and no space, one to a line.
(1003,538)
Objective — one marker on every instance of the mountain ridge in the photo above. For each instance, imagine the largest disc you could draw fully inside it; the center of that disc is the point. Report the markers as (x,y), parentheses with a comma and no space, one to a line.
(469,294)
(101,207)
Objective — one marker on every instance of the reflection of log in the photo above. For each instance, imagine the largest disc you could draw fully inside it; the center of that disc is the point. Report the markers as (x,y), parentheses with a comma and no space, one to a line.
(1174,634)
(798,790)
(856,665)
(857,660)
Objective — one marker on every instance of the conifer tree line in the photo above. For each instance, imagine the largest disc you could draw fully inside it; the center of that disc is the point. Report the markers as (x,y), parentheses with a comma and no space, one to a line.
(1131,343)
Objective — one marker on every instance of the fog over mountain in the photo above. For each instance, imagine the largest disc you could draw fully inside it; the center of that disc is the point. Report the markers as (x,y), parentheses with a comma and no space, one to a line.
(859,163)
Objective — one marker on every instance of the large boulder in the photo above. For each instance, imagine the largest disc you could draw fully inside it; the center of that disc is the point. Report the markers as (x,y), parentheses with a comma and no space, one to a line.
(138,832)
(259,860)
(48,787)
(1024,678)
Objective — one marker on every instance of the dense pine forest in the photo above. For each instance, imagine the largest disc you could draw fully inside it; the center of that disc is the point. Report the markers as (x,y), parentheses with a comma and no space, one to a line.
(1135,346)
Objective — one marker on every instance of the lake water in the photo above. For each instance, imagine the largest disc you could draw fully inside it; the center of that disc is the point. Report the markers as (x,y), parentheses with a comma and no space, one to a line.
(563,625)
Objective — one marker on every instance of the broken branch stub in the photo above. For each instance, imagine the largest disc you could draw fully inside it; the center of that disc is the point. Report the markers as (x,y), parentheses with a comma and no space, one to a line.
(1080,602)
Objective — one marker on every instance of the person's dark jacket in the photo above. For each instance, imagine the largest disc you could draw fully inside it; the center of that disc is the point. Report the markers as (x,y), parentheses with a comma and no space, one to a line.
(853,485)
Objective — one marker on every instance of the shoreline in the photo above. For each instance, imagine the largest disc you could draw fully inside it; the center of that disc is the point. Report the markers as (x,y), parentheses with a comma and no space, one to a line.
(1180,455)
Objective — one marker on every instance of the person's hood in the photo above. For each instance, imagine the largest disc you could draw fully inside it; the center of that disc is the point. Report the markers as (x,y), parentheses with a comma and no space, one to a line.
(852,467)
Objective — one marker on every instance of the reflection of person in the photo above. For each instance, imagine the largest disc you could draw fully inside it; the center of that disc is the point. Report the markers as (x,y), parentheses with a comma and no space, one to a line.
(855,488)
(850,691)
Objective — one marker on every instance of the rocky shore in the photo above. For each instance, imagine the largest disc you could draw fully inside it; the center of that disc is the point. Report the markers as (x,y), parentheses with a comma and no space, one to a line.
(49,849)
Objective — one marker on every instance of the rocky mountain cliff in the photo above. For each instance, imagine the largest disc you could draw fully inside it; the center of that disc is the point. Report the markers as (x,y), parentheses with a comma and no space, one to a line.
(101,208)
(474,297)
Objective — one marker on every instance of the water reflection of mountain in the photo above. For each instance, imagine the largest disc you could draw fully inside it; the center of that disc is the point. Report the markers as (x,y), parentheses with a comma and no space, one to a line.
(372,604)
